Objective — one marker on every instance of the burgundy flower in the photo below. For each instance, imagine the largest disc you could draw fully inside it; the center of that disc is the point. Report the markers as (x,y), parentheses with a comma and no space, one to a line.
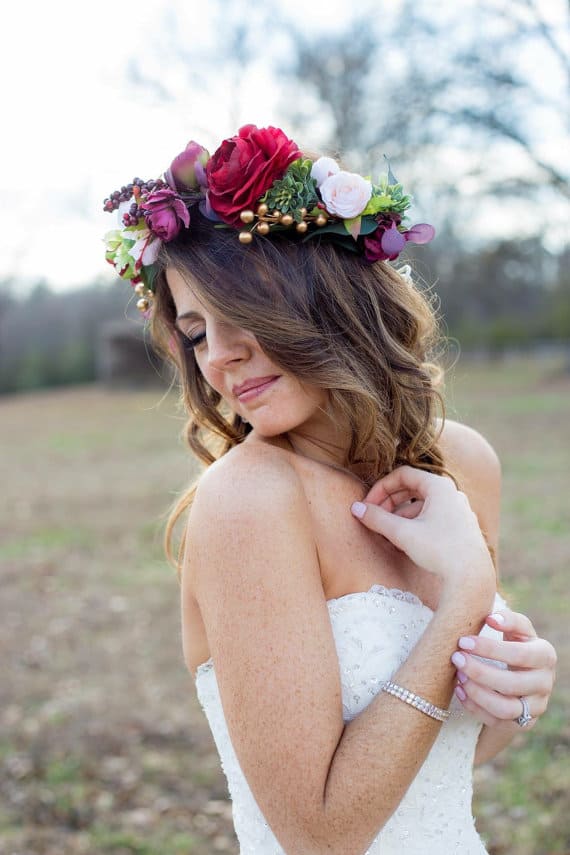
(187,171)
(244,167)
(165,213)
(387,242)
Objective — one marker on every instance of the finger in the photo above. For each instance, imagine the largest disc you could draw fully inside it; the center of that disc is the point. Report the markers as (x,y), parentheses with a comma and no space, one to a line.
(398,497)
(382,522)
(481,694)
(409,510)
(501,707)
(476,711)
(517,626)
(535,653)
(417,481)
(402,499)
(537,681)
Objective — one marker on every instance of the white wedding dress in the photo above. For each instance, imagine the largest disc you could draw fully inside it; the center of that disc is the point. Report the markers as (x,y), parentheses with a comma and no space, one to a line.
(374,633)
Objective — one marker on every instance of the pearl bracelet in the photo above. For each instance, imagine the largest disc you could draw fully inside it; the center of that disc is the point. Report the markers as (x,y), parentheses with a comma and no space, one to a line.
(415,701)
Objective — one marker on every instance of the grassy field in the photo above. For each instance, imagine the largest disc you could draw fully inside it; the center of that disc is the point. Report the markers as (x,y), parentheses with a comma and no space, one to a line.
(103,746)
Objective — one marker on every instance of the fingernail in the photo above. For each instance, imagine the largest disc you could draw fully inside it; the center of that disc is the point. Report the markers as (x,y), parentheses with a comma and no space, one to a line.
(358,509)
(462,677)
(460,693)
(467,643)
(458,660)
(498,618)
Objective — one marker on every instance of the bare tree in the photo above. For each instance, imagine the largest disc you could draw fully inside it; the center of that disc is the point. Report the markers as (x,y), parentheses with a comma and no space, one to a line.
(415,82)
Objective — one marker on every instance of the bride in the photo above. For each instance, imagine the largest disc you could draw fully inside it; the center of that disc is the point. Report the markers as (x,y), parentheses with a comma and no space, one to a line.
(338,569)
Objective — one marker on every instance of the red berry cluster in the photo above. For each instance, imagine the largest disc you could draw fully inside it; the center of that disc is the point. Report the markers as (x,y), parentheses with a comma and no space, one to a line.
(137,188)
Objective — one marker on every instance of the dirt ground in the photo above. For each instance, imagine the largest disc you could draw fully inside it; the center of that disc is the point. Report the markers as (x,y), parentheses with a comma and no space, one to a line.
(103,745)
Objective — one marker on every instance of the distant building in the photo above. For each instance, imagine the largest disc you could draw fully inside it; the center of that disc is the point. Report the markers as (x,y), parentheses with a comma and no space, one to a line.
(125,358)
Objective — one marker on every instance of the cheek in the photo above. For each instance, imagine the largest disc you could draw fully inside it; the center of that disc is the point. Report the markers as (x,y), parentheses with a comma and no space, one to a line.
(317,397)
(211,375)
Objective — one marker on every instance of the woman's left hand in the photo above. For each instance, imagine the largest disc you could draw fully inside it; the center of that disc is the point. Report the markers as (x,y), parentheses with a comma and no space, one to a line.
(493,695)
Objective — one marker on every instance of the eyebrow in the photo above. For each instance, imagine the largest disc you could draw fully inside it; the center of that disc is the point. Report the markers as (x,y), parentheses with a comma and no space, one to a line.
(194,316)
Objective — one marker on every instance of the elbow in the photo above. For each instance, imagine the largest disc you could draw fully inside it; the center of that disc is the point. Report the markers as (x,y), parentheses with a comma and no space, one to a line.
(322,836)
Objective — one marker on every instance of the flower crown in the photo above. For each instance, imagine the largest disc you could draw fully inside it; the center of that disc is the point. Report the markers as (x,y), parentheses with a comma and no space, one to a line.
(259,183)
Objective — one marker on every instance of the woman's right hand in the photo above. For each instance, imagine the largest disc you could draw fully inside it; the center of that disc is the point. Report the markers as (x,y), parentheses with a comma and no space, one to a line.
(425,516)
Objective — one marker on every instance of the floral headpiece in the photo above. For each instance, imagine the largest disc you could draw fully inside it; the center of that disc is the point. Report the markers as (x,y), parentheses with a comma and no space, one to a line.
(259,183)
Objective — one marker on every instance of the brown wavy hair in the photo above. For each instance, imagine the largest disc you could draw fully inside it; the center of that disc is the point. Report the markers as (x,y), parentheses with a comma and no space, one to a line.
(363,332)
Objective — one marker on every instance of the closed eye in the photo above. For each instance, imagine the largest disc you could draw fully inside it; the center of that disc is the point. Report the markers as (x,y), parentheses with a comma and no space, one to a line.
(190,342)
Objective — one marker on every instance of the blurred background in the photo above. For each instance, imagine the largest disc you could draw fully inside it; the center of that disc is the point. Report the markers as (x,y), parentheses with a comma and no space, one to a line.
(103,747)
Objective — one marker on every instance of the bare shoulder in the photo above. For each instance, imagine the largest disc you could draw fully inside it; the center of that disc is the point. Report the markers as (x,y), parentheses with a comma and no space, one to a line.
(251,482)
(475,463)
(469,451)
(248,490)
(252,469)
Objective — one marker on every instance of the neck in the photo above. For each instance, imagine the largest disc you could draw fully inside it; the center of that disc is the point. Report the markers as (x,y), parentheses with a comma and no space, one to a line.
(331,451)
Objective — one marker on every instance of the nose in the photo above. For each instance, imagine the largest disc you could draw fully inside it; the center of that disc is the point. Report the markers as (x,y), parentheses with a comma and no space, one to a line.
(227,344)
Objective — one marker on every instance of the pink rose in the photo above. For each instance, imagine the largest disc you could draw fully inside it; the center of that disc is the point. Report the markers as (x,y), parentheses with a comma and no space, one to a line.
(244,167)
(346,194)
(323,168)
(165,213)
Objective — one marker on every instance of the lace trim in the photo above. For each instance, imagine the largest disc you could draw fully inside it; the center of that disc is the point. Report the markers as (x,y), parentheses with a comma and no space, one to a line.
(394,593)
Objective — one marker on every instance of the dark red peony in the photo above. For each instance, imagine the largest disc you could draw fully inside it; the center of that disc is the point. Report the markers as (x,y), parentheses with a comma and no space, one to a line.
(244,168)
(165,213)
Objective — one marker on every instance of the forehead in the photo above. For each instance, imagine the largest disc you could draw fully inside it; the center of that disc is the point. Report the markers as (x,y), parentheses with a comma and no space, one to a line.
(183,294)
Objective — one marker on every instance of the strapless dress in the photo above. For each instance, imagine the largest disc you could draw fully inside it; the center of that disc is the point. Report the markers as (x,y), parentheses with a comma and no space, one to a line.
(374,633)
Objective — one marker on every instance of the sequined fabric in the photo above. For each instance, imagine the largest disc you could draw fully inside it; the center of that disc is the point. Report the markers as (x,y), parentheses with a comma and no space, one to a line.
(374,633)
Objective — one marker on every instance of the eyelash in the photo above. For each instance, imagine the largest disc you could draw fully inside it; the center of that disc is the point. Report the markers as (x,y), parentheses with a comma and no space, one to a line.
(189,343)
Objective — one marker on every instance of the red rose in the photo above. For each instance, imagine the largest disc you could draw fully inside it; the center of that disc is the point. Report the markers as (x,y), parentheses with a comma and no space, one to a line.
(244,168)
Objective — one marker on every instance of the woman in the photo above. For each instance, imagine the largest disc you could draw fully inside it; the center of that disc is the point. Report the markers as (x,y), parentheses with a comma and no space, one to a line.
(339,604)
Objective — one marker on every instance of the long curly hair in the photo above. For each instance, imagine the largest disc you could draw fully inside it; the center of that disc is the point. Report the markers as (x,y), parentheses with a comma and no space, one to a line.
(365,333)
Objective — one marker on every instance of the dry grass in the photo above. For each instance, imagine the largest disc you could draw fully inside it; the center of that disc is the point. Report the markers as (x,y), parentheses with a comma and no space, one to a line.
(103,747)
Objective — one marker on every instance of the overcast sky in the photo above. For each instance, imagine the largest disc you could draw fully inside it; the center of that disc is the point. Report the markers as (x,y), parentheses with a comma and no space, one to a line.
(74,129)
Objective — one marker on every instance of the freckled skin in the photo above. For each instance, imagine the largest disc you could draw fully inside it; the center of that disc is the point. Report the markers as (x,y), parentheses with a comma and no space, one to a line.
(321,784)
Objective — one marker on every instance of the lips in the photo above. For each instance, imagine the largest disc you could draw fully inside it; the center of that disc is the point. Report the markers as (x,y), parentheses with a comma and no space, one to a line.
(253,386)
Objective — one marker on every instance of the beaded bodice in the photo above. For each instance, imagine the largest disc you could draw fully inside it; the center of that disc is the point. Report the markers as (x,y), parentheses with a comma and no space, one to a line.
(374,633)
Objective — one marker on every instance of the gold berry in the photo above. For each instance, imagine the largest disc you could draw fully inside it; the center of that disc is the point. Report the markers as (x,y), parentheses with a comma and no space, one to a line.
(302,227)
(263,228)
(303,212)
(287,220)
(247,216)
(262,210)
(245,237)
(143,304)
(140,288)
(321,220)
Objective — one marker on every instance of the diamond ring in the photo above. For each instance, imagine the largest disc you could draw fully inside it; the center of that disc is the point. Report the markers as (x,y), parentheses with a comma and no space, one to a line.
(525,717)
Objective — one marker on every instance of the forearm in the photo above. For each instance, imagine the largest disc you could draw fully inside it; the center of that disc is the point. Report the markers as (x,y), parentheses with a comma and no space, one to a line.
(382,749)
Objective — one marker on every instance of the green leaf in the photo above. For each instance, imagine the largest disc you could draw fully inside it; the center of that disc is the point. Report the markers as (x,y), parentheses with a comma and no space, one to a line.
(331,228)
(343,240)
(368,225)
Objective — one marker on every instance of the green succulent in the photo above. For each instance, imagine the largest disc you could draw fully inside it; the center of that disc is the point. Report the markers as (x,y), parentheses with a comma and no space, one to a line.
(294,191)
(387,197)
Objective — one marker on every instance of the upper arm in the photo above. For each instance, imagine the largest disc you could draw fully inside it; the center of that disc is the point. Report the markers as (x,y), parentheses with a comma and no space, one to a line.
(256,577)
(475,463)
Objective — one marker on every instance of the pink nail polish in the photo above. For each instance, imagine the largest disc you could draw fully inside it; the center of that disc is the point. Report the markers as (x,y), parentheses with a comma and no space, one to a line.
(462,677)
(467,643)
(460,693)
(498,618)
(458,660)
(358,509)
